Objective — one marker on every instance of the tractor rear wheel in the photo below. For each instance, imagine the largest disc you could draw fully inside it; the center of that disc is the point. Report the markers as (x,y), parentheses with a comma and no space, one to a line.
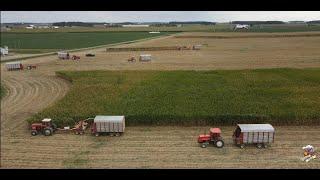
(219,144)
(34,133)
(265,145)
(47,132)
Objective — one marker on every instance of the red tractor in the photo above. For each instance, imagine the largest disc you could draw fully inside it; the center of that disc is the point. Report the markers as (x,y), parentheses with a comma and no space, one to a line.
(213,137)
(74,57)
(46,127)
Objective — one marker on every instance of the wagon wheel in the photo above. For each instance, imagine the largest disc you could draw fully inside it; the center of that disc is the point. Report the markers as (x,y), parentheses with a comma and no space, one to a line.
(259,146)
(117,134)
(242,146)
(96,134)
(265,145)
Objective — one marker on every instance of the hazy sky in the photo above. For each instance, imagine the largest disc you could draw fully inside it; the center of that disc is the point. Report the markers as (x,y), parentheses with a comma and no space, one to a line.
(158,16)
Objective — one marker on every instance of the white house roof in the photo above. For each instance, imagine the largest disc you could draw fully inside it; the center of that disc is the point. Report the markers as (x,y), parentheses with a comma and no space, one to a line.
(256,127)
(101,118)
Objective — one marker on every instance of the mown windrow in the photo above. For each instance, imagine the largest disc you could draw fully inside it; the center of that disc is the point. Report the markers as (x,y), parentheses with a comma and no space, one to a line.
(278,96)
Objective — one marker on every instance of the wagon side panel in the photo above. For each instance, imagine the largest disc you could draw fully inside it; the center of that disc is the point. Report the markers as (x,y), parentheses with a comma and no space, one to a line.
(245,137)
(271,136)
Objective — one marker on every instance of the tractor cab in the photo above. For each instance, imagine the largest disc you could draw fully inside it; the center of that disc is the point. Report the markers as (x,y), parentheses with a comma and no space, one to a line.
(46,122)
(215,133)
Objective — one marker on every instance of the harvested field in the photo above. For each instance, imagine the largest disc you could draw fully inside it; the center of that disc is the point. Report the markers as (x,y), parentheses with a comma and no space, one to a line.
(248,35)
(175,147)
(29,92)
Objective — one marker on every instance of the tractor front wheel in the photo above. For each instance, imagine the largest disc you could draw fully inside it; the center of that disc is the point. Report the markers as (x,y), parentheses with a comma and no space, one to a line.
(34,133)
(204,145)
(219,144)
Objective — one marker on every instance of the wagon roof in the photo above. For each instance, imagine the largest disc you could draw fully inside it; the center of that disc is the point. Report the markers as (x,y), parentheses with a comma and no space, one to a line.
(15,62)
(101,118)
(256,127)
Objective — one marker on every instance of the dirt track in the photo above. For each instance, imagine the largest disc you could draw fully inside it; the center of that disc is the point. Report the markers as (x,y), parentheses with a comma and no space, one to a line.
(149,147)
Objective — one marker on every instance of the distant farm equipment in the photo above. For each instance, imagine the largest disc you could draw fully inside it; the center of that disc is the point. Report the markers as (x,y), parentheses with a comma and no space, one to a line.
(145,57)
(132,59)
(111,125)
(66,56)
(214,137)
(30,67)
(46,127)
(90,55)
(74,57)
(63,55)
(12,66)
(261,135)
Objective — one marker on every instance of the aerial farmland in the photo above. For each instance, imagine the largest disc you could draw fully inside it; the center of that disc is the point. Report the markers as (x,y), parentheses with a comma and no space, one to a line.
(233,78)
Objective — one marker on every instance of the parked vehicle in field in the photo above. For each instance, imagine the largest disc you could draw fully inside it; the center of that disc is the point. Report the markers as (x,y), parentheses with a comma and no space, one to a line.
(214,137)
(132,59)
(90,55)
(30,67)
(111,125)
(63,55)
(260,135)
(12,66)
(46,127)
(74,57)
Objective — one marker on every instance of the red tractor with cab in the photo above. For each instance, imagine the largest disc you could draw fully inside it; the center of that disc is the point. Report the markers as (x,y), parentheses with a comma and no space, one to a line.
(46,127)
(214,137)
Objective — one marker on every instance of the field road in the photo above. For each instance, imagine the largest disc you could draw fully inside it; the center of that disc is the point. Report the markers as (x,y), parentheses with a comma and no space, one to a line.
(29,92)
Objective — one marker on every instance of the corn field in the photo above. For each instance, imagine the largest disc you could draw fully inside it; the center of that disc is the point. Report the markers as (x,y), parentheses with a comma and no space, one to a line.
(226,97)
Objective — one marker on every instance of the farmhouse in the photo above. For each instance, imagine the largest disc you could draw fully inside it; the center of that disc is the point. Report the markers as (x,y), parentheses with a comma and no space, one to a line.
(4,51)
(241,26)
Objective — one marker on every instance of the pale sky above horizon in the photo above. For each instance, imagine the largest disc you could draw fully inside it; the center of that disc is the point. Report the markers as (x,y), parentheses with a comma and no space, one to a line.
(155,16)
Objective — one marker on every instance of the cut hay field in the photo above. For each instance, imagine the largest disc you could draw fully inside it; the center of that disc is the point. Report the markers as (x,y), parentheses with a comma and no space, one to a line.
(2,91)
(277,96)
(39,42)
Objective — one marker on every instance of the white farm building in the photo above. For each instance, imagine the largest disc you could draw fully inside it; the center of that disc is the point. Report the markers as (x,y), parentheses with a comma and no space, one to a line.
(4,50)
(241,26)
